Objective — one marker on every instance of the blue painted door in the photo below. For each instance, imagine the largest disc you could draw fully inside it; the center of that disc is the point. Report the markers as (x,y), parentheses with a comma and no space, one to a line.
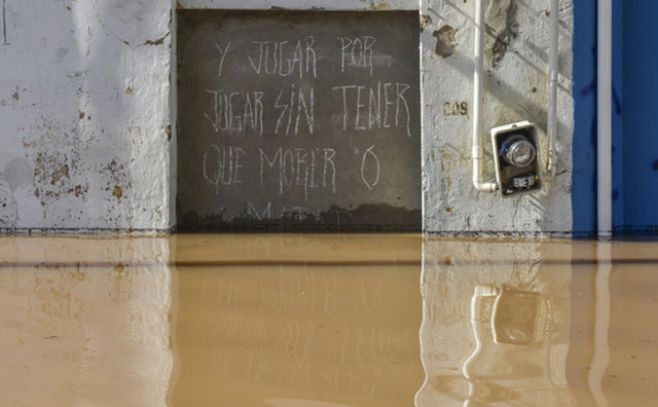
(637,60)
(634,115)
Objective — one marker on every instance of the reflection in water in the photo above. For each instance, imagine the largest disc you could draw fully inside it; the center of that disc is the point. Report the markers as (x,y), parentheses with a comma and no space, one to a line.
(340,332)
(495,326)
(601,357)
(89,333)
(325,321)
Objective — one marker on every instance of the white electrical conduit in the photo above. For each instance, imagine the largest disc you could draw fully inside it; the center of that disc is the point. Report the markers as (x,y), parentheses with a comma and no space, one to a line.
(553,72)
(604,112)
(476,154)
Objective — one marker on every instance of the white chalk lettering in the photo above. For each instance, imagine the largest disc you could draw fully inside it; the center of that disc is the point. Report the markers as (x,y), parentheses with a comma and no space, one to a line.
(293,168)
(370,155)
(357,52)
(222,56)
(221,166)
(236,112)
(257,66)
(359,108)
(329,154)
(381,106)
(400,89)
(284,59)
(288,164)
(311,56)
(344,89)
(293,108)
(260,215)
(234,122)
(387,102)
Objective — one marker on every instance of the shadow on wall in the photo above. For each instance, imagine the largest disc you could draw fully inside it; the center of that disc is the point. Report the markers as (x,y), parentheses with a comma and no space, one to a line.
(516,88)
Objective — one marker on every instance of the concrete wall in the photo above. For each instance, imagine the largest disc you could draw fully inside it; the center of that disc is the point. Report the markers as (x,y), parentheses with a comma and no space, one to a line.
(86,110)
(84,114)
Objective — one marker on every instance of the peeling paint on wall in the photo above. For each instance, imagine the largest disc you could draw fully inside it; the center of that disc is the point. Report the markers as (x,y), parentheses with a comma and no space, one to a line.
(446,44)
(86,84)
(117,179)
(425,21)
(381,5)
(78,79)
(56,157)
(8,207)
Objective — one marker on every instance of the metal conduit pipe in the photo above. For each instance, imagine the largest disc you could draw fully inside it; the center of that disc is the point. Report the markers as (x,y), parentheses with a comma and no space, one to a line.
(553,72)
(604,113)
(477,155)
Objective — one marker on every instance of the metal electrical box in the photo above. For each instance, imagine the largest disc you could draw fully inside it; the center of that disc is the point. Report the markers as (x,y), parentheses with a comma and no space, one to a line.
(516,157)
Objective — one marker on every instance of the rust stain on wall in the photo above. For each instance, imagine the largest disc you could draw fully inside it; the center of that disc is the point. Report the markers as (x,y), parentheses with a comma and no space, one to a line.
(117,179)
(51,175)
(55,157)
(117,192)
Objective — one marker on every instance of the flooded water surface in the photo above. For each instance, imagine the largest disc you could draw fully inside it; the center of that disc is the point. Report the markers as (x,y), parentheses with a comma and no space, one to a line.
(326,321)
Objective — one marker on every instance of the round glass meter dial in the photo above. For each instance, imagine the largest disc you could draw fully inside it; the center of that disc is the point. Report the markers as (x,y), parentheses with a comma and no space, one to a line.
(519,152)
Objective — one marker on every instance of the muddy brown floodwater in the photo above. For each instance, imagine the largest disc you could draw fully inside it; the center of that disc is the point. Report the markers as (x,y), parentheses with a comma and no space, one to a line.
(326,321)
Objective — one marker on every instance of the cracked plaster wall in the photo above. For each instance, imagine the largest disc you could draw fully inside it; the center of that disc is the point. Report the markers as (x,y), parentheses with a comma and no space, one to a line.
(86,108)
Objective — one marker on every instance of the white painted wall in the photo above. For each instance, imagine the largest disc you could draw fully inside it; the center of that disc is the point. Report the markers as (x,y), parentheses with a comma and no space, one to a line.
(451,203)
(86,112)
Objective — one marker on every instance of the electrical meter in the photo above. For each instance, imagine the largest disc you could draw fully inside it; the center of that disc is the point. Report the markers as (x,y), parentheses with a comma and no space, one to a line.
(516,154)
(517,317)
